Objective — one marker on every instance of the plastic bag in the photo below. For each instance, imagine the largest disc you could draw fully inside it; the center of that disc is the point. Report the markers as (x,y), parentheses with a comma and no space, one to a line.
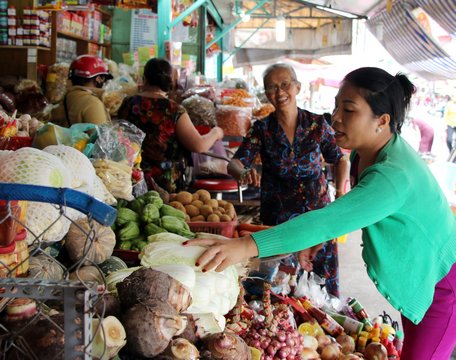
(118,142)
(113,97)
(201,110)
(80,136)
(313,286)
(56,82)
(235,121)
(114,155)
(204,165)
(206,91)
(269,270)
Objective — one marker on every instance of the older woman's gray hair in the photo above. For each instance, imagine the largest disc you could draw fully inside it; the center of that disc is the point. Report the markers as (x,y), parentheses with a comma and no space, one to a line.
(273,67)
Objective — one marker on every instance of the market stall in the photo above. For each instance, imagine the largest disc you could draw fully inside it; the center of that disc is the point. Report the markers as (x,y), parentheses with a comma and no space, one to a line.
(91,262)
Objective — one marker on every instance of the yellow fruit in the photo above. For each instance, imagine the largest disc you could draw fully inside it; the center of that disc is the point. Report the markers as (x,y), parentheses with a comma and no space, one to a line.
(313,329)
(255,353)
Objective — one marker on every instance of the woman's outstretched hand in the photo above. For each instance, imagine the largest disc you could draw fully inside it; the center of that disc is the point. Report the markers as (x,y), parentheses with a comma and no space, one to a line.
(306,256)
(223,253)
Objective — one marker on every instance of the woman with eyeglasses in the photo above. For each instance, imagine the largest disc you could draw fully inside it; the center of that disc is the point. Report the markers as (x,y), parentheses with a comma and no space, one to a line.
(291,143)
(408,228)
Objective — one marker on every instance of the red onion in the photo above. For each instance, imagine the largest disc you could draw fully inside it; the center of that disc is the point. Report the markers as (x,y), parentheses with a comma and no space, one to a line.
(264,343)
(271,350)
(281,336)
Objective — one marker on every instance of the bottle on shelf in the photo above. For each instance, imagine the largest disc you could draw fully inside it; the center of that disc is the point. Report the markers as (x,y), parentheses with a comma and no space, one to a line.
(331,326)
(351,326)
(360,313)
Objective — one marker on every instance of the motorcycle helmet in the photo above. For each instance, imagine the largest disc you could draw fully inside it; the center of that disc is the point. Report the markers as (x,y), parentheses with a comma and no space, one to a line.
(88,66)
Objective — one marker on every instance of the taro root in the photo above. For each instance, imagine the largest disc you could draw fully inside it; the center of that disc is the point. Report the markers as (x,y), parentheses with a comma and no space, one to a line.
(182,349)
(226,346)
(150,327)
(108,304)
(148,284)
(190,331)
(46,340)
(108,337)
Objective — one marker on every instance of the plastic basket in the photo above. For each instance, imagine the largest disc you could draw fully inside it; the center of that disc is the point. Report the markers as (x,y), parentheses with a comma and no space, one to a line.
(219,228)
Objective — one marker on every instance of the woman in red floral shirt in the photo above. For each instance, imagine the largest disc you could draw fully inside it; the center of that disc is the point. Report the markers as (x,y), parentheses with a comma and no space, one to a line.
(170,134)
(292,143)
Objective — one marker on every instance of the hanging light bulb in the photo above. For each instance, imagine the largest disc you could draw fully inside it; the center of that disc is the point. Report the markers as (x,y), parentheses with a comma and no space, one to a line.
(281,29)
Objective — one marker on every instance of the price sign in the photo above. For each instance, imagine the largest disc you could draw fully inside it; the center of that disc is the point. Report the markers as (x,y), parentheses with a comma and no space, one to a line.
(143,29)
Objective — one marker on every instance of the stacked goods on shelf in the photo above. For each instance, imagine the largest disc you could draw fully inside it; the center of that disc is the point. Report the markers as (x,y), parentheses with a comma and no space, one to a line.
(33,28)
(84,24)
(3,22)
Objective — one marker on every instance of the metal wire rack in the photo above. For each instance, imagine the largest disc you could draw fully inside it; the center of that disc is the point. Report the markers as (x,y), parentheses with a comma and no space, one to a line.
(65,308)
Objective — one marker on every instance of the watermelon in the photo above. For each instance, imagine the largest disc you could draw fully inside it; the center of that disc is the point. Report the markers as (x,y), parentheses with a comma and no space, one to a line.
(113,263)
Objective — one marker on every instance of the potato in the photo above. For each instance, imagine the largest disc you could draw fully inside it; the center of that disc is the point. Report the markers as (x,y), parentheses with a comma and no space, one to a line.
(224,218)
(195,196)
(197,203)
(178,205)
(221,210)
(213,203)
(231,213)
(218,213)
(172,197)
(222,202)
(213,218)
(206,210)
(198,218)
(184,197)
(203,194)
(228,205)
(192,210)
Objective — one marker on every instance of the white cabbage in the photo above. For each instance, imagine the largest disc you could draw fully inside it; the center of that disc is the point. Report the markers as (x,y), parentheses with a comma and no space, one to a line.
(213,292)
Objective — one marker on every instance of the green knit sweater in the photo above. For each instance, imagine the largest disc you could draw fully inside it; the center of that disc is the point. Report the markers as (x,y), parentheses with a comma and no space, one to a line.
(408,229)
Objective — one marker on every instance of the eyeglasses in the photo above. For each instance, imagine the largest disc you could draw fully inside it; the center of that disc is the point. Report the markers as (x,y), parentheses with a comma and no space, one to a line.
(284,85)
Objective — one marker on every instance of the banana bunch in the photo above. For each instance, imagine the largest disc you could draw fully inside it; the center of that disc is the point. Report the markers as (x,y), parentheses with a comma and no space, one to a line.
(116,176)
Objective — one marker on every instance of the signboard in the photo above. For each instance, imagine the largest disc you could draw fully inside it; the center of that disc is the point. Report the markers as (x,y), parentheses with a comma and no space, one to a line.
(143,29)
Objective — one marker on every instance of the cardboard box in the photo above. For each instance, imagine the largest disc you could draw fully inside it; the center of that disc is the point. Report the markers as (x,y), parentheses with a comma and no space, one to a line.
(63,21)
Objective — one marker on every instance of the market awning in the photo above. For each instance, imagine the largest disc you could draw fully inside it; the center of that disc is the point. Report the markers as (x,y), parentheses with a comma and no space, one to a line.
(442,11)
(410,44)
(329,39)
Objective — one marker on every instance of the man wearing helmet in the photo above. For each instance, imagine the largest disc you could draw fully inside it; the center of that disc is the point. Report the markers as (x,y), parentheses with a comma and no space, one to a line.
(82,103)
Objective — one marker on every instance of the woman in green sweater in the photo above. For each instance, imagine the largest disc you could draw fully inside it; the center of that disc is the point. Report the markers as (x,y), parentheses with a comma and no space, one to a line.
(408,229)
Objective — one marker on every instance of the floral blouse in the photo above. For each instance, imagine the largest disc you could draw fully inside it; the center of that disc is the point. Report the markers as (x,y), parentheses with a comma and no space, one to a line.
(163,158)
(292,180)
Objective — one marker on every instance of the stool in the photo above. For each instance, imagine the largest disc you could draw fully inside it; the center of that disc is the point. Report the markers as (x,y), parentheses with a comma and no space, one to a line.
(220,186)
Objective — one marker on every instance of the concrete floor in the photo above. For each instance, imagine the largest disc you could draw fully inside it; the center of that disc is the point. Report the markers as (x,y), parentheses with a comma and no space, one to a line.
(354,281)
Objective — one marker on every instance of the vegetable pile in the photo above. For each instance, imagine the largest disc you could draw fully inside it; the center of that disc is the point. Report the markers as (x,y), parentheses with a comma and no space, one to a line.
(145,216)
